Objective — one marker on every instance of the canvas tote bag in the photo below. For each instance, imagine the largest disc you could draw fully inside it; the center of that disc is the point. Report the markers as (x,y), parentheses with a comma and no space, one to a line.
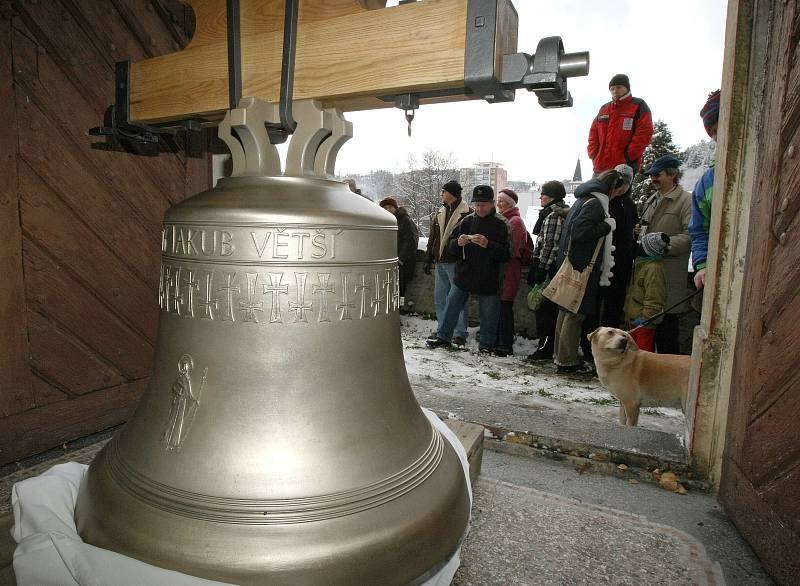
(567,287)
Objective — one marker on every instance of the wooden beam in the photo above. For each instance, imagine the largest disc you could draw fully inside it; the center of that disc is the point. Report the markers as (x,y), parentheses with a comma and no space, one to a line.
(347,56)
(16,390)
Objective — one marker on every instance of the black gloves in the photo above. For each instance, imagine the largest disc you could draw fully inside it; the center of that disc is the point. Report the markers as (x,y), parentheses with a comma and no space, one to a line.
(427,267)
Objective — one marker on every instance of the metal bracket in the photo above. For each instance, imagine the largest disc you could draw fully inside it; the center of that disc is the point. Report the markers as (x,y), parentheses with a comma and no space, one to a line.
(545,72)
(278,131)
(479,59)
(117,121)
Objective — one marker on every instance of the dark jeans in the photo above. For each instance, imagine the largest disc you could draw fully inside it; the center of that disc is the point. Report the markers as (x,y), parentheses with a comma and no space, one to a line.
(505,328)
(546,317)
(667,335)
(612,298)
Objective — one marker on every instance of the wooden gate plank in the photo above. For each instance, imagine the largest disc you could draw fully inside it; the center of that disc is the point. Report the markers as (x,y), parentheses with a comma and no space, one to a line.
(109,216)
(16,390)
(72,245)
(61,359)
(111,41)
(774,437)
(66,111)
(57,295)
(783,489)
(51,425)
(54,28)
(46,393)
(762,449)
(770,536)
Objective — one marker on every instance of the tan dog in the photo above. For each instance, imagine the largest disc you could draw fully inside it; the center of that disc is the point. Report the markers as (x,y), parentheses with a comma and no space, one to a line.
(638,378)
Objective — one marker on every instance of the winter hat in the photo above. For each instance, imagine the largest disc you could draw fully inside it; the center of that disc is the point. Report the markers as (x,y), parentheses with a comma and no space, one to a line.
(661,163)
(710,111)
(654,244)
(504,195)
(452,187)
(620,79)
(626,173)
(482,193)
(510,193)
(389,201)
(554,189)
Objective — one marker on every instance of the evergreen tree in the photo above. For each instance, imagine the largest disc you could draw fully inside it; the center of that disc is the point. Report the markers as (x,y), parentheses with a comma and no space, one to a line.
(661,144)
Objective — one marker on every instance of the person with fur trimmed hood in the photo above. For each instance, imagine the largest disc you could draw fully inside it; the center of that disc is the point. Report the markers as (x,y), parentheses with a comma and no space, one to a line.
(547,231)
(507,205)
(445,222)
(407,241)
(587,229)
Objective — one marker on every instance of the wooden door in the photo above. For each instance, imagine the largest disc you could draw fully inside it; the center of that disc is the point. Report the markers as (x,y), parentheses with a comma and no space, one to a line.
(80,248)
(760,487)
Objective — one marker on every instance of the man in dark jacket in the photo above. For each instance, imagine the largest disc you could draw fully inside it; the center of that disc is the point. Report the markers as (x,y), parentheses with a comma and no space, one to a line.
(621,130)
(407,241)
(482,244)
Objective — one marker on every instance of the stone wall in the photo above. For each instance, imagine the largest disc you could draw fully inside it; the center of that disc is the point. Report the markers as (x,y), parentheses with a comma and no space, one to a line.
(419,299)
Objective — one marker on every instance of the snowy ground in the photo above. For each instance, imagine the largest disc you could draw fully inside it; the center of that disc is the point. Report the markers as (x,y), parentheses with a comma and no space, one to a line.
(537,383)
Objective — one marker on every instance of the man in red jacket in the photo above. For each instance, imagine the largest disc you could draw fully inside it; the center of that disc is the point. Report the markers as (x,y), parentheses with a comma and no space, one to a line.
(621,130)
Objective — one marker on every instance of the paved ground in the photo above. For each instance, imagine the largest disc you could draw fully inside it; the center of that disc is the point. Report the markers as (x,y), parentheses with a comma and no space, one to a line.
(539,521)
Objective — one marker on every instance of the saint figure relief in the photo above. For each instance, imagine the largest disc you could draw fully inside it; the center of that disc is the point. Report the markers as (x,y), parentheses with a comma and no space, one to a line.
(184,405)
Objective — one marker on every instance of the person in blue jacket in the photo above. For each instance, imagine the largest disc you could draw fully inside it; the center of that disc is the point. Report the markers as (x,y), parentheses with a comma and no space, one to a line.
(701,197)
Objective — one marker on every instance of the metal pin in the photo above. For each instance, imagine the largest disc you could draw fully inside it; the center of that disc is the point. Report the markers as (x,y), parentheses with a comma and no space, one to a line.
(409,118)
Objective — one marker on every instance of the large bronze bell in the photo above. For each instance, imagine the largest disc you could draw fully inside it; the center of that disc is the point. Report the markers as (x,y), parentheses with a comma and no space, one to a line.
(279,441)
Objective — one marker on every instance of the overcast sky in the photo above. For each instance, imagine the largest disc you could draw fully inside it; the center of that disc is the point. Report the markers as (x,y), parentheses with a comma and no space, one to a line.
(671,50)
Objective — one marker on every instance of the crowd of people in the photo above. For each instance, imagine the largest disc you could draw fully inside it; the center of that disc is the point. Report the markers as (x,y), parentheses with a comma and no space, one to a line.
(637,260)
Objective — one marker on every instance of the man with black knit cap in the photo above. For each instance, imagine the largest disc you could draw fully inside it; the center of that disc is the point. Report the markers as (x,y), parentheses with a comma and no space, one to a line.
(446,222)
(621,130)
(482,245)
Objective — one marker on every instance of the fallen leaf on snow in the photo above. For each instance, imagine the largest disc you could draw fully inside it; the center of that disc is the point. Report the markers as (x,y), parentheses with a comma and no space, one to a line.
(583,467)
(633,481)
(622,467)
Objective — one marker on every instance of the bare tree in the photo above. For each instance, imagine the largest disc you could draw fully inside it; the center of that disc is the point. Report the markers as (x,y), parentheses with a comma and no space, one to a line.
(419,186)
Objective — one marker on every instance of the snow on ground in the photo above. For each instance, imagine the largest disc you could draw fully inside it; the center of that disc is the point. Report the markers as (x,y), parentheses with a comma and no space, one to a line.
(468,372)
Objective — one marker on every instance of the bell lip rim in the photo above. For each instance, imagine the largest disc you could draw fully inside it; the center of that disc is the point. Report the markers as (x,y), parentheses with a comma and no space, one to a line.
(274,511)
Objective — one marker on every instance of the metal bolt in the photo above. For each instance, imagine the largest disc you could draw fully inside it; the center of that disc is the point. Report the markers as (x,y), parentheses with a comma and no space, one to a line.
(36,125)
(112,47)
(782,238)
(790,151)
(784,204)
